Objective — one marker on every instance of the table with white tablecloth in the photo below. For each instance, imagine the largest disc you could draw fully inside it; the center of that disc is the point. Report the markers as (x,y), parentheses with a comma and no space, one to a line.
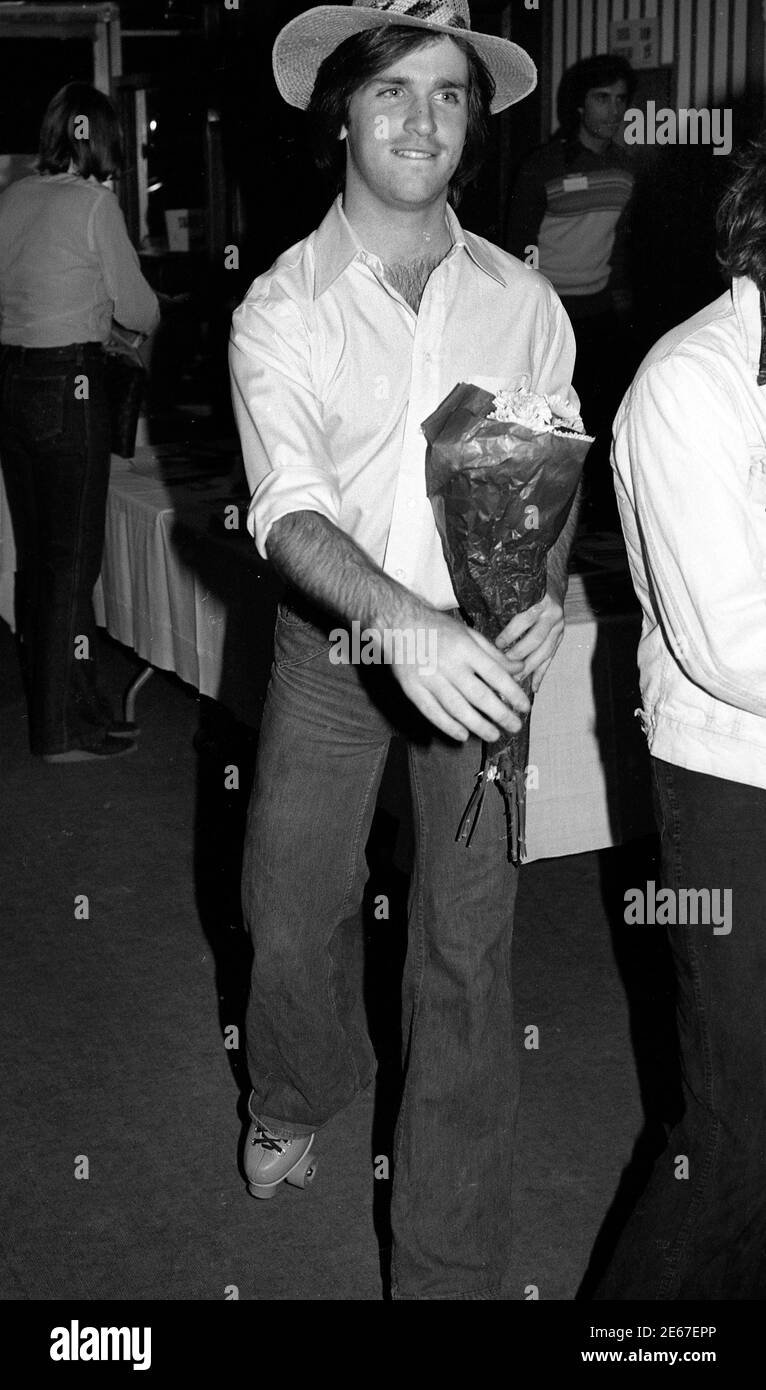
(182,586)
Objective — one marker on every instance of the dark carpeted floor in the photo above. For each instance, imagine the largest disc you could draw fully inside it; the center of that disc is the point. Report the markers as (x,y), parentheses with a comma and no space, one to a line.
(113,1054)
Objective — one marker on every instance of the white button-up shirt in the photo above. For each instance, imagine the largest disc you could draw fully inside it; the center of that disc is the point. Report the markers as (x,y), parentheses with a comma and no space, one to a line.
(333,375)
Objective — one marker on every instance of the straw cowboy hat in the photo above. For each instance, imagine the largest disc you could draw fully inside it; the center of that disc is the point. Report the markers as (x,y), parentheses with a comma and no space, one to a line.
(311,37)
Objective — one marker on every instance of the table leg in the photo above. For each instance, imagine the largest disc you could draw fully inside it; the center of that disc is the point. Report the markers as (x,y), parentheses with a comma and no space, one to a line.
(129,698)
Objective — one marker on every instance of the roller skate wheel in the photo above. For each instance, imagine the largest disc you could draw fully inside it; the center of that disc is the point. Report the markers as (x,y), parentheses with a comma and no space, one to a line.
(303,1173)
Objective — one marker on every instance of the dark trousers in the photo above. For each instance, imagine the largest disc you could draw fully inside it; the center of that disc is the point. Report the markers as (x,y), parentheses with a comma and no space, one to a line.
(324,739)
(54,450)
(699,1231)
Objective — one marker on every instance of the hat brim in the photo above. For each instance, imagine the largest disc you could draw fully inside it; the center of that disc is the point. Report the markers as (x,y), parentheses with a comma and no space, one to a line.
(307,40)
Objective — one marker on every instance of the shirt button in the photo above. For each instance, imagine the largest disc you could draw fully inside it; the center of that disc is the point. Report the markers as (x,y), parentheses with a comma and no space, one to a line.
(398,574)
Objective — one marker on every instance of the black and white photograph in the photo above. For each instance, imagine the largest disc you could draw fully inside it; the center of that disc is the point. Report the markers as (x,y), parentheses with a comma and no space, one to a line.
(383,671)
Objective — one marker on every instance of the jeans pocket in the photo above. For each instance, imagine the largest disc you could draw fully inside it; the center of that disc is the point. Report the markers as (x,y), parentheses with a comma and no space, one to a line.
(297,639)
(39,406)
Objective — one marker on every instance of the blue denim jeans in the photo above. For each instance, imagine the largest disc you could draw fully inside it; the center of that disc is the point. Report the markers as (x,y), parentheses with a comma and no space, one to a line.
(325,735)
(54,450)
(703,1236)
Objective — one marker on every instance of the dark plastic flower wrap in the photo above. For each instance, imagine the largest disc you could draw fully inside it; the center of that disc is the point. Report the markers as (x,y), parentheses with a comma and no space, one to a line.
(501,494)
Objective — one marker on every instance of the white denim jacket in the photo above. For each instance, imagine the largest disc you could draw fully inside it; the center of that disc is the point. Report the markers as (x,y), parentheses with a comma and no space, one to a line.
(689,460)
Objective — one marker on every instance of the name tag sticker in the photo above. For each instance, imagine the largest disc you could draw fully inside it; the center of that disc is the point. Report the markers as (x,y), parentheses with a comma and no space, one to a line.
(575,183)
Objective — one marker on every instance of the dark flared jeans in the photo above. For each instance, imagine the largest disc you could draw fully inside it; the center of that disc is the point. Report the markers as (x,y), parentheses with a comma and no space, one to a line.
(54,450)
(324,740)
(699,1232)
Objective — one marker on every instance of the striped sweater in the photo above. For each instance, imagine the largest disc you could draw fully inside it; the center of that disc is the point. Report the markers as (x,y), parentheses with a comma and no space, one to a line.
(572,204)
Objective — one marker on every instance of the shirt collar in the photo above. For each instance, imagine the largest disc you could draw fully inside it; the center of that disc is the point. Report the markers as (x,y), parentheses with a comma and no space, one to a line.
(336,245)
(478,250)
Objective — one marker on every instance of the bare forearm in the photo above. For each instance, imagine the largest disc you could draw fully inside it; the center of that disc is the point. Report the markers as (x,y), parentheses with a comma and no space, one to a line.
(558,555)
(464,688)
(322,562)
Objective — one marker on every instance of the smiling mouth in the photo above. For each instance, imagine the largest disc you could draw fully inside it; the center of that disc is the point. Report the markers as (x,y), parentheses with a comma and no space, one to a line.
(414,154)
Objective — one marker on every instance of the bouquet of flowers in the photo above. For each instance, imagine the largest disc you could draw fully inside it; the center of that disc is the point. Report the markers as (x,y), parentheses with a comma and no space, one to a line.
(502,473)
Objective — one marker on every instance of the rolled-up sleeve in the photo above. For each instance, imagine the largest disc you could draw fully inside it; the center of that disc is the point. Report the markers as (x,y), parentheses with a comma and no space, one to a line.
(279,414)
(702,533)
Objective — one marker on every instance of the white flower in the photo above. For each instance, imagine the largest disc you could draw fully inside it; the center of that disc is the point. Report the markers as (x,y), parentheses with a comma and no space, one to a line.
(540,413)
(523,407)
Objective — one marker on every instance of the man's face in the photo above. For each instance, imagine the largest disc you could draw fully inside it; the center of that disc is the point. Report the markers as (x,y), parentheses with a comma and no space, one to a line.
(407,127)
(602,112)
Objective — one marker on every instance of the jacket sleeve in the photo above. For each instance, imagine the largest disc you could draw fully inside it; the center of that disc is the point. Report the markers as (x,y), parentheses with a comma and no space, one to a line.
(702,525)
(278,414)
(135,303)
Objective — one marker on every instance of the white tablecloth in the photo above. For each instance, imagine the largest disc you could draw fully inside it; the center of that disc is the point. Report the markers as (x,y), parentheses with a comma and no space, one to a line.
(203,612)
(150,600)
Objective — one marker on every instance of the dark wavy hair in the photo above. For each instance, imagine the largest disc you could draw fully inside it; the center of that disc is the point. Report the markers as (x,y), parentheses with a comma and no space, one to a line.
(741,216)
(98,152)
(358,60)
(602,70)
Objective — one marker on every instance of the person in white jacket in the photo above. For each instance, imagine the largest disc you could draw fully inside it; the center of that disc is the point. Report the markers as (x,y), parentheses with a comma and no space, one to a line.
(689,460)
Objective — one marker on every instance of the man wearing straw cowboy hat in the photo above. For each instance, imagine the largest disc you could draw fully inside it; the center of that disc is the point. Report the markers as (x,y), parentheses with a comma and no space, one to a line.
(338,354)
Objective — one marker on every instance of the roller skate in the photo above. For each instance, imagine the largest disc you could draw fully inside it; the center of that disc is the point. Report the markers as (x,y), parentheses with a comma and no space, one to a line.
(270,1160)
